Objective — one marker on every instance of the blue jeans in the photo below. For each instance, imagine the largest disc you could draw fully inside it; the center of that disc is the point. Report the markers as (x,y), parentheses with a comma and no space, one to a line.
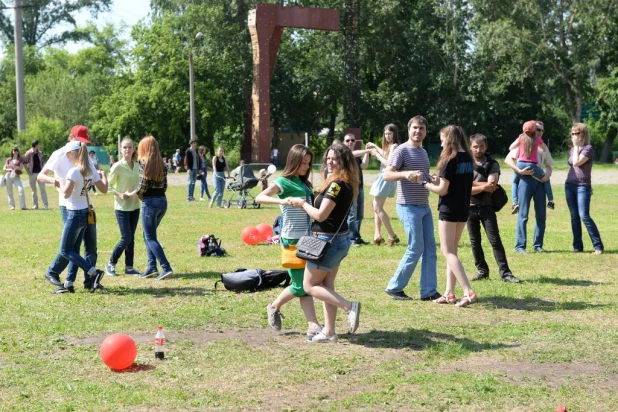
(530,189)
(515,184)
(153,210)
(70,242)
(357,213)
(192,177)
(90,251)
(418,224)
(127,222)
(204,184)
(218,181)
(578,201)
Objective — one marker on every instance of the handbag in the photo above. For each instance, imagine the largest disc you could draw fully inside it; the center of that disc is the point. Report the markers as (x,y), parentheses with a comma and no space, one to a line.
(312,248)
(2,180)
(499,198)
(92,217)
(289,260)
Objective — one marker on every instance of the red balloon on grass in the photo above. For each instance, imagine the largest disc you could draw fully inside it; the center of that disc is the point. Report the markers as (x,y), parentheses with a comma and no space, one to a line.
(250,235)
(265,231)
(118,351)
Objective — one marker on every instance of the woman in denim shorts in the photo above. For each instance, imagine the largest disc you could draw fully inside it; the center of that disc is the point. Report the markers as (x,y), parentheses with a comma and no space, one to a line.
(330,211)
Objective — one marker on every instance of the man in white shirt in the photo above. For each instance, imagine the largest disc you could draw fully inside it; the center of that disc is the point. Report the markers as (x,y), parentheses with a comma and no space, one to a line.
(60,166)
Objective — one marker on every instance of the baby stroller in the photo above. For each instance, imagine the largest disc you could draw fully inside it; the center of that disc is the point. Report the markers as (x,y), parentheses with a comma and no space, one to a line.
(243,181)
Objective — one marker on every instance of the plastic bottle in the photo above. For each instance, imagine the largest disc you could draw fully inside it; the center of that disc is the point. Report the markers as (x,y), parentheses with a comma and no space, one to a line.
(159,344)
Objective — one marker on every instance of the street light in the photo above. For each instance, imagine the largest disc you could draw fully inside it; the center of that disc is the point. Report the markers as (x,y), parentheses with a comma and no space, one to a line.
(198,36)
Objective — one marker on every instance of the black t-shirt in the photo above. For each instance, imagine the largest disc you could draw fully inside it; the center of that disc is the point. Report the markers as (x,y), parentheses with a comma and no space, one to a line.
(481,174)
(360,171)
(340,193)
(36,163)
(459,171)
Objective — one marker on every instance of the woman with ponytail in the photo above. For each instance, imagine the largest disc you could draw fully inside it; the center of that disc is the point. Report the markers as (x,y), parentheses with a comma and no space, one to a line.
(74,189)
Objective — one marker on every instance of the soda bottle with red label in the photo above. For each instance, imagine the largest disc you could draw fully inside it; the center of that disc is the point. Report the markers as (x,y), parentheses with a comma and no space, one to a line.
(160,344)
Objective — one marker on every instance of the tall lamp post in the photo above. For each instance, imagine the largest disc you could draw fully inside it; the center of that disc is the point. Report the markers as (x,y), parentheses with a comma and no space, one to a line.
(198,36)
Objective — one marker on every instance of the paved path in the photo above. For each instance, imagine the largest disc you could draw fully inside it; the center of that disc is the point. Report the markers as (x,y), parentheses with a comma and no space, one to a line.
(599,177)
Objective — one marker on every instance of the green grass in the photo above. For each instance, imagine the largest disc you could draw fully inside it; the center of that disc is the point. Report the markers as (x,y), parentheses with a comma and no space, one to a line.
(548,341)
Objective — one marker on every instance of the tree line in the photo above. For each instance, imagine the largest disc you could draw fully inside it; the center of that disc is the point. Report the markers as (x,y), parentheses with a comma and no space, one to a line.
(487,66)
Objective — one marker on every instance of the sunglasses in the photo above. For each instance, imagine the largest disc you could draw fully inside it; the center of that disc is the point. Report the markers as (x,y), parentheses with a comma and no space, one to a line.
(575,133)
(350,140)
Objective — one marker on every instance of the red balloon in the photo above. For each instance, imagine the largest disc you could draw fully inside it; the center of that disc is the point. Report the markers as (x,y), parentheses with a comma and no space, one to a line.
(118,351)
(265,231)
(250,235)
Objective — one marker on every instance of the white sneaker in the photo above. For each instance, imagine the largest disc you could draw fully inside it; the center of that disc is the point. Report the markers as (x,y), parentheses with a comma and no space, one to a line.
(322,338)
(202,199)
(354,316)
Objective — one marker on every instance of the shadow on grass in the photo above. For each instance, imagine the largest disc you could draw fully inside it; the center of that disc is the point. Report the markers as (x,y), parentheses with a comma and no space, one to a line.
(566,282)
(584,253)
(136,368)
(421,340)
(197,275)
(160,292)
(535,304)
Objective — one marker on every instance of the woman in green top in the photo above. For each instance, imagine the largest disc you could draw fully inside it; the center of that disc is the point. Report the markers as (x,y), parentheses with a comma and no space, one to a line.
(124,178)
(294,182)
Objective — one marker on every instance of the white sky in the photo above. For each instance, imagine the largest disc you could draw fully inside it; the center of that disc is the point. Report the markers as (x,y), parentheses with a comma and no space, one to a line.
(128,12)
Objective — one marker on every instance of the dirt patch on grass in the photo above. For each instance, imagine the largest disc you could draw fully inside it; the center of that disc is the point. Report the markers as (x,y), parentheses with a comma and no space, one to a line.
(551,374)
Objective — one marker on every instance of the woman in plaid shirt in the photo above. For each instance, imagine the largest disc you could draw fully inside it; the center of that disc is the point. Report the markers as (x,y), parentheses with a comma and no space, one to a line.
(151,189)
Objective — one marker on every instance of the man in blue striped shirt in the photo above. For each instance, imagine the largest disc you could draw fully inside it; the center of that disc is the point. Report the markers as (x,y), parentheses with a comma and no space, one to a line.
(409,166)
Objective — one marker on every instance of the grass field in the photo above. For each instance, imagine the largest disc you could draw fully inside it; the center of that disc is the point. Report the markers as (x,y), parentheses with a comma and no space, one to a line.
(551,340)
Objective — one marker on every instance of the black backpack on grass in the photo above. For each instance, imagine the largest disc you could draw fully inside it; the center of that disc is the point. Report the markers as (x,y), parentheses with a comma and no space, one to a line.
(251,280)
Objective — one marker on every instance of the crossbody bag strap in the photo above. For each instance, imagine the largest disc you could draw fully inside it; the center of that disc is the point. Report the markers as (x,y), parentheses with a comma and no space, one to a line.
(307,198)
(341,224)
(86,191)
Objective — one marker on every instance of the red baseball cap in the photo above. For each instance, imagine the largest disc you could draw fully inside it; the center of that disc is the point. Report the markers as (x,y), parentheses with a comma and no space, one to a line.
(81,133)
(530,126)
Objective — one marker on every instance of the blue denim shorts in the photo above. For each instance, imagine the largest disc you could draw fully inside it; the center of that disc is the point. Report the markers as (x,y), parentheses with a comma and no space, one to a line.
(337,250)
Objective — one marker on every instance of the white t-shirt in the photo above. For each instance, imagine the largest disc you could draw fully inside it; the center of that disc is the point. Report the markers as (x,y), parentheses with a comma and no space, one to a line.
(77,199)
(60,165)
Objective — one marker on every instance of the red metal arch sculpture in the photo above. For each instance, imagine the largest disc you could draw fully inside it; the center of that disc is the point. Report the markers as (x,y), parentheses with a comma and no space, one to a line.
(266,24)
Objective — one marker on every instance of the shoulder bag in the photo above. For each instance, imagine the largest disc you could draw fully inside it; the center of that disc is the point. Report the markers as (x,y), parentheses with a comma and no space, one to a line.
(92,217)
(313,249)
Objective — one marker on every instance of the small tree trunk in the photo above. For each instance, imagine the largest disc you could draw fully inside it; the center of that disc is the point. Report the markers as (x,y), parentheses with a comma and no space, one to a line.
(607,146)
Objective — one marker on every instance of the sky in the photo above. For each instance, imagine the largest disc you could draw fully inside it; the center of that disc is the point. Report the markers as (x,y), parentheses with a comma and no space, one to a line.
(128,12)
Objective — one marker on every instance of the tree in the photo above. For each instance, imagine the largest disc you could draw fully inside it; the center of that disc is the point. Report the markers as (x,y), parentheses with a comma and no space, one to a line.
(41,16)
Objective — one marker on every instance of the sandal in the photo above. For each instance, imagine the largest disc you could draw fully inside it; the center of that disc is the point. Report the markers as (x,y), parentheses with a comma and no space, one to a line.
(378,241)
(445,299)
(393,240)
(467,300)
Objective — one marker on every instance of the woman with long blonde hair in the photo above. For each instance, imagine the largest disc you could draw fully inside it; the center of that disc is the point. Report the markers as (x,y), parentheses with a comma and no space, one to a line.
(381,189)
(454,186)
(74,189)
(151,189)
(330,210)
(123,178)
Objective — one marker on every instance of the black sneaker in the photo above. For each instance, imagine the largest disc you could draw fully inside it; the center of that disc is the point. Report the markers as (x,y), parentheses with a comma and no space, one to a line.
(510,278)
(515,208)
(435,296)
(551,205)
(481,276)
(62,289)
(360,241)
(53,279)
(398,295)
(96,284)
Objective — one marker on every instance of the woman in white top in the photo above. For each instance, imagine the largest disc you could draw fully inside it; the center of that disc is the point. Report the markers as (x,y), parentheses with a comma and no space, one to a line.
(74,189)
(13,167)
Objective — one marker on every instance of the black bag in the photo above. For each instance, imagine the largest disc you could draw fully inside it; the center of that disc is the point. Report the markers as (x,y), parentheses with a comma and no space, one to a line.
(499,198)
(251,280)
(209,245)
(311,248)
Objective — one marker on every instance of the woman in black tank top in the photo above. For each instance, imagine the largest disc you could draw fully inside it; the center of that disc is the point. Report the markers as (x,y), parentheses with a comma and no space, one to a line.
(219,167)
